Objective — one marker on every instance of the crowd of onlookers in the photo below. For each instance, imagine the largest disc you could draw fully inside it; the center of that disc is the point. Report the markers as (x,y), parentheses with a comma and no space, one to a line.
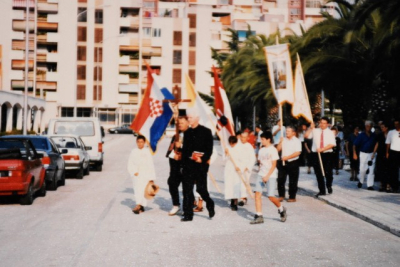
(370,152)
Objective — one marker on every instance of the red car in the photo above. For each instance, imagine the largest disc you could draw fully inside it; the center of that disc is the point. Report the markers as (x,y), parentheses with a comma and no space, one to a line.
(21,170)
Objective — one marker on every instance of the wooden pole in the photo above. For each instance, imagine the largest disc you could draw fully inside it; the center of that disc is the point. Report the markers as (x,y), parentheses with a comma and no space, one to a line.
(322,165)
(212,178)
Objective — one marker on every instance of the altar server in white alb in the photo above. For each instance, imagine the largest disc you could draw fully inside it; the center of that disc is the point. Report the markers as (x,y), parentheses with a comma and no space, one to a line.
(141,170)
(234,186)
(248,158)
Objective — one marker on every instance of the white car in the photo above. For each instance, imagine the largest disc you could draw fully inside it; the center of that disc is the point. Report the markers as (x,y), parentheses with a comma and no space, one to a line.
(77,158)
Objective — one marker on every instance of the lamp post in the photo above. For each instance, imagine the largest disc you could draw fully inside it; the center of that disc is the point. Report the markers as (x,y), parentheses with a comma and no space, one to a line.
(76,58)
(98,71)
(25,117)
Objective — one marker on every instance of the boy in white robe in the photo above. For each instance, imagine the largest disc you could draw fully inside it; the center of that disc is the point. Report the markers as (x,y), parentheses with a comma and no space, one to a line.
(141,169)
(234,187)
(248,159)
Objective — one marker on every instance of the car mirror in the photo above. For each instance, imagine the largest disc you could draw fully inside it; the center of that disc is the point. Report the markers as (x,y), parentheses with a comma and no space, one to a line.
(64,151)
(88,148)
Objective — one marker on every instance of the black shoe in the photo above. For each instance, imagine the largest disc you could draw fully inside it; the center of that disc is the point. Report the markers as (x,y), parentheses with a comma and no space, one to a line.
(257,219)
(370,188)
(187,219)
(320,194)
(234,207)
(283,215)
(359,185)
(211,213)
(330,191)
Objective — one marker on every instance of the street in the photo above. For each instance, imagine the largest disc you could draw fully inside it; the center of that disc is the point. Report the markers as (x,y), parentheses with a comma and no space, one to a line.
(89,222)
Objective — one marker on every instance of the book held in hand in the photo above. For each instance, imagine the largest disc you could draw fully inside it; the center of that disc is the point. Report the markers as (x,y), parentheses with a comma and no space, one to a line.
(196,155)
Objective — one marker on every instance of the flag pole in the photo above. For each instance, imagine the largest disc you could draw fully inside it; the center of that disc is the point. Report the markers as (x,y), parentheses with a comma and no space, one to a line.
(280,106)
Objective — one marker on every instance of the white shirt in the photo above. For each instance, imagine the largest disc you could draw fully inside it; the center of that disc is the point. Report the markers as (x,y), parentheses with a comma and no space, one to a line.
(393,138)
(290,146)
(259,136)
(266,156)
(277,137)
(329,139)
(247,154)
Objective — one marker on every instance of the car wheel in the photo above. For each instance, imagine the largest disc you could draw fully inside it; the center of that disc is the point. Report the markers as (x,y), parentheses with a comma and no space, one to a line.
(62,181)
(79,174)
(99,167)
(87,170)
(42,190)
(116,132)
(53,185)
(28,198)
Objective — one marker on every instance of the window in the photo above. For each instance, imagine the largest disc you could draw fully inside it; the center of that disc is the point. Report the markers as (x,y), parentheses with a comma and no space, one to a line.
(177,57)
(83,112)
(176,76)
(98,16)
(192,21)
(156,32)
(82,34)
(98,35)
(107,116)
(81,92)
(97,95)
(81,71)
(98,51)
(192,39)
(100,70)
(67,112)
(192,75)
(146,32)
(82,14)
(82,53)
(192,58)
(177,38)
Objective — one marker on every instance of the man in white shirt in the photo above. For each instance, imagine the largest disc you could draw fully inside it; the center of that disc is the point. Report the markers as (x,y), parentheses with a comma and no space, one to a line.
(393,155)
(290,146)
(278,131)
(323,142)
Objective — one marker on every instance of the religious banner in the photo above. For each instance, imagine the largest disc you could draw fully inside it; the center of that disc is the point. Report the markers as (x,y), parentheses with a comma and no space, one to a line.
(280,72)
(301,105)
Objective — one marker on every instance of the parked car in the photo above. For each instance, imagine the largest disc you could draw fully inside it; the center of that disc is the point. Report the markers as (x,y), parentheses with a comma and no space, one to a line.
(21,170)
(88,129)
(123,129)
(52,159)
(77,158)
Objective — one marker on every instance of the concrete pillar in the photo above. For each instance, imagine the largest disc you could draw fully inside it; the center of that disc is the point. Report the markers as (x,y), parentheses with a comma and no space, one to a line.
(36,120)
(28,120)
(9,119)
(19,119)
(42,122)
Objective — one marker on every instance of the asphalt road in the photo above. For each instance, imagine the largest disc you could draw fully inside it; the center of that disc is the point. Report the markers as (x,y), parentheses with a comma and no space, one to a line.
(89,223)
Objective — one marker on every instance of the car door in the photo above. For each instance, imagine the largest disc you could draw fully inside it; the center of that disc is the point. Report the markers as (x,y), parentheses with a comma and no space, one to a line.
(58,159)
(33,163)
(84,152)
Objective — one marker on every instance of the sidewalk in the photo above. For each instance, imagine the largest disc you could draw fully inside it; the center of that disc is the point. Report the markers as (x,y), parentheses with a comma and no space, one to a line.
(379,208)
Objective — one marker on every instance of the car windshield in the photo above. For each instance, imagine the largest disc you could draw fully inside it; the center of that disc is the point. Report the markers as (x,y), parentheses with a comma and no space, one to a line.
(40,143)
(80,128)
(65,142)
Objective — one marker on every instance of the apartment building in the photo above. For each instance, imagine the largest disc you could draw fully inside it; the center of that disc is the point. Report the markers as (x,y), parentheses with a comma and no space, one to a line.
(88,57)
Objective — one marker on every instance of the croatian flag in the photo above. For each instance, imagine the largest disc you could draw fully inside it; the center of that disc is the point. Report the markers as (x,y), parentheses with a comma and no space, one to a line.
(154,114)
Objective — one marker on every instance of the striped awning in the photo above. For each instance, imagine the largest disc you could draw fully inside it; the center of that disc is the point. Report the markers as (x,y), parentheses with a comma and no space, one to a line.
(22,3)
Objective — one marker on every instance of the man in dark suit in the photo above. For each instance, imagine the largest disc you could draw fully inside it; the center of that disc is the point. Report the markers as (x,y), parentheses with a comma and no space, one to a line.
(197,148)
(174,154)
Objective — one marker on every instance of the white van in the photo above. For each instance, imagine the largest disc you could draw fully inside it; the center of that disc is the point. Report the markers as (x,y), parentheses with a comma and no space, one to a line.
(88,129)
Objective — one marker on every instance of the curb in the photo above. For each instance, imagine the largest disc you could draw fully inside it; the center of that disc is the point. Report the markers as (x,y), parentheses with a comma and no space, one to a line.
(383,226)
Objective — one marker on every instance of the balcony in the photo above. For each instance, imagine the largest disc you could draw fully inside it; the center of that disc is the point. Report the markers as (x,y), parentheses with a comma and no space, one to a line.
(123,78)
(18,14)
(129,22)
(18,35)
(49,37)
(156,61)
(124,60)
(17,54)
(47,6)
(52,76)
(18,64)
(131,3)
(128,88)
(128,69)
(43,24)
(46,85)
(20,84)
(151,51)
(20,45)
(245,16)
(16,75)
(53,18)
(19,25)
(247,2)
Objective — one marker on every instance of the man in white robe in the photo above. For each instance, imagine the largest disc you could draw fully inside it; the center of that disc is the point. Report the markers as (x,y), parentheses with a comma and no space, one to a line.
(141,169)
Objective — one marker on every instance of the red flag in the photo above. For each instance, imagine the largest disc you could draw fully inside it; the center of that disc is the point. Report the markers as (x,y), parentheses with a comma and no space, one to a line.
(222,109)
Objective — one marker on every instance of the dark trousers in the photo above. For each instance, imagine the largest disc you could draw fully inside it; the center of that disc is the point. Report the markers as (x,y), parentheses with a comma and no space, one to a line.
(292,169)
(382,170)
(327,160)
(394,162)
(174,180)
(194,172)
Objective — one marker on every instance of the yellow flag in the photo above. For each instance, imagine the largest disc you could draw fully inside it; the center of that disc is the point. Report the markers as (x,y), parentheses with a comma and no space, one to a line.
(301,105)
